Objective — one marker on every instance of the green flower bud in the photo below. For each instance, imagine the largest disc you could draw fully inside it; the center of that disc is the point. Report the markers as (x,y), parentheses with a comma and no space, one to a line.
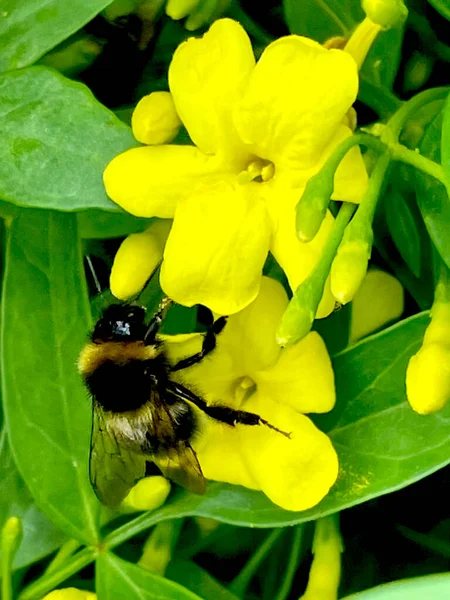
(312,207)
(386,13)
(12,533)
(298,318)
(352,258)
(159,547)
(349,269)
(178,9)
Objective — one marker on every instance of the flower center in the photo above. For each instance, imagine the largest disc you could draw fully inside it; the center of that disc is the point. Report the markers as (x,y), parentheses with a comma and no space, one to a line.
(244,388)
(260,170)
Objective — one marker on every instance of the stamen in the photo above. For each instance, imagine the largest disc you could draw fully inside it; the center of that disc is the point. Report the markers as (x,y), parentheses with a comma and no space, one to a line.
(257,169)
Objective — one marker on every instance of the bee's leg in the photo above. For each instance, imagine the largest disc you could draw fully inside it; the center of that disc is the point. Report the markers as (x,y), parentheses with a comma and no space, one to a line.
(155,323)
(224,414)
(209,343)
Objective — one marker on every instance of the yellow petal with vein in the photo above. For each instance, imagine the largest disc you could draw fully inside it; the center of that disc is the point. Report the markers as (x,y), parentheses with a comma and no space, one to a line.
(148,181)
(206,77)
(297,95)
(294,473)
(217,247)
(302,378)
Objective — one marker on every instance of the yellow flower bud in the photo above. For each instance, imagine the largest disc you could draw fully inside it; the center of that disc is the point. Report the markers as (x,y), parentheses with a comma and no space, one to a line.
(148,494)
(386,13)
(438,331)
(178,9)
(137,258)
(349,269)
(159,547)
(428,378)
(12,533)
(155,120)
(325,571)
(70,594)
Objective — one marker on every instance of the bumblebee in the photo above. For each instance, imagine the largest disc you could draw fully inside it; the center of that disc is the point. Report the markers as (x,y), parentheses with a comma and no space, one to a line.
(140,414)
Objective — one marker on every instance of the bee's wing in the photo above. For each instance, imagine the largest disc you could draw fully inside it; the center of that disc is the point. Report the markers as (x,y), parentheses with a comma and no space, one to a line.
(181,466)
(113,468)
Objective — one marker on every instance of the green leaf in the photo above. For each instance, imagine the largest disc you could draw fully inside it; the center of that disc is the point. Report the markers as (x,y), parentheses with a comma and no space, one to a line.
(29,28)
(193,577)
(442,6)
(40,537)
(403,228)
(383,445)
(99,224)
(432,198)
(435,587)
(56,142)
(117,578)
(322,20)
(44,320)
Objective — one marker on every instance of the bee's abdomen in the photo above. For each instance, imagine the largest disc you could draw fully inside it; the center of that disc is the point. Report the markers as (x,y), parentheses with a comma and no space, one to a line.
(120,387)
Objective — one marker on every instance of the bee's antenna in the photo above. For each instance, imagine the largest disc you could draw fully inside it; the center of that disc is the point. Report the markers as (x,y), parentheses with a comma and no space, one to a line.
(93,273)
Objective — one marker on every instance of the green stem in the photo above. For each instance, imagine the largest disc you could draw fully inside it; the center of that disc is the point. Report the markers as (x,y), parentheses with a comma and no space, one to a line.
(62,555)
(442,290)
(410,157)
(240,583)
(292,565)
(332,244)
(47,582)
(366,209)
(358,139)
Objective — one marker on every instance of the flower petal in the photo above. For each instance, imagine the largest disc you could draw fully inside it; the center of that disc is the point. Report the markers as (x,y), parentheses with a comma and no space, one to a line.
(148,181)
(217,248)
(302,378)
(206,77)
(249,335)
(219,455)
(296,258)
(297,95)
(70,594)
(351,179)
(137,258)
(379,300)
(294,473)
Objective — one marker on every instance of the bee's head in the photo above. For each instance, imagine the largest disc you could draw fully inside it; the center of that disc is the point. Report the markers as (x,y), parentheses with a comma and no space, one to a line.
(120,323)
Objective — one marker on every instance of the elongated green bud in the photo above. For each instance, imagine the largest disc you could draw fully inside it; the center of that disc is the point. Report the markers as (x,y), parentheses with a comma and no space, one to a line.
(386,13)
(159,546)
(312,207)
(299,316)
(352,259)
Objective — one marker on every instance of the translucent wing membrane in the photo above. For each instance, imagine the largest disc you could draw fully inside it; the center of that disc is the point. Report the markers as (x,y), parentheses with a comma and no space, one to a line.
(181,466)
(114,469)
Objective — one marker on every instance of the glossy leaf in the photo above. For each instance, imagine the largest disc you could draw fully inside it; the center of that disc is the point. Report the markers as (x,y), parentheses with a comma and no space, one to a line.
(434,587)
(40,537)
(383,445)
(117,578)
(322,20)
(432,198)
(403,228)
(47,413)
(29,28)
(442,6)
(56,141)
(100,224)
(193,577)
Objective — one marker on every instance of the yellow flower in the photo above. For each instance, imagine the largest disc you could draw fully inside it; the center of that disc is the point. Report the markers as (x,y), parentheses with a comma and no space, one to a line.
(379,301)
(428,373)
(260,132)
(70,594)
(249,371)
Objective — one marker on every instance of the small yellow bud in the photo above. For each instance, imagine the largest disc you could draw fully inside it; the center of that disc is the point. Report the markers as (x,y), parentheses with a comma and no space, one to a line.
(148,494)
(12,534)
(438,331)
(325,571)
(428,378)
(349,269)
(155,120)
(137,258)
(70,594)
(159,547)
(386,13)
(178,9)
